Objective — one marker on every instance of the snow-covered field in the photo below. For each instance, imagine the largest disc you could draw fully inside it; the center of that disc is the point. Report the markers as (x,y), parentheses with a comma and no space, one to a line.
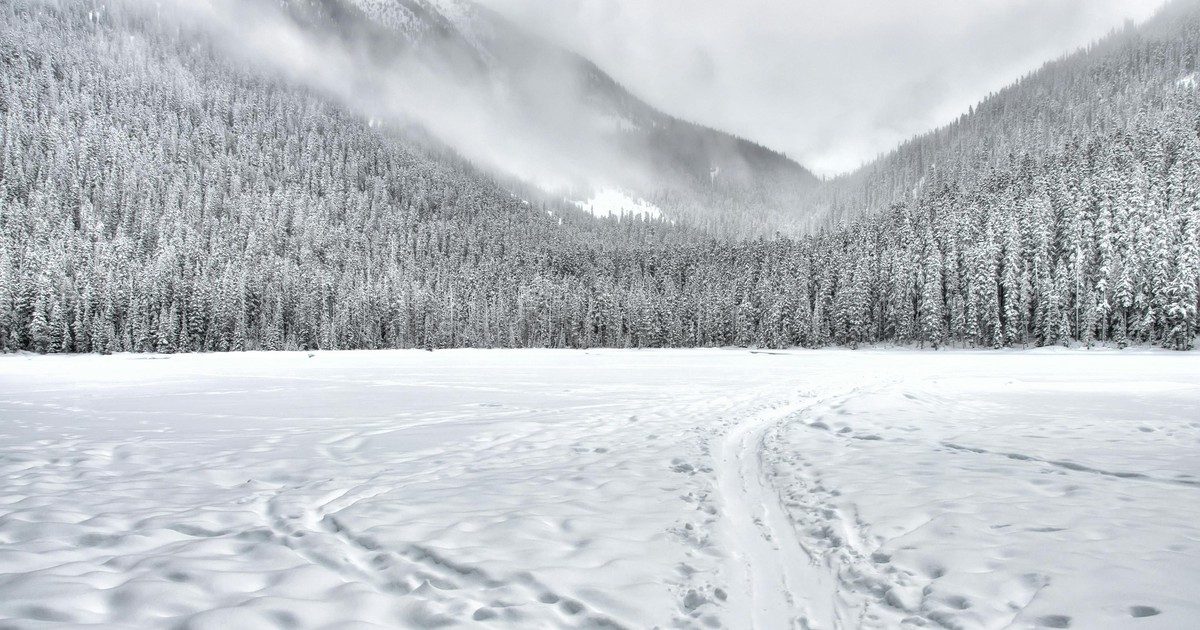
(545,489)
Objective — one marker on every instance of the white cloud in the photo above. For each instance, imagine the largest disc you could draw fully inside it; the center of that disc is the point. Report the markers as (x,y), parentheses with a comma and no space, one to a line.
(832,82)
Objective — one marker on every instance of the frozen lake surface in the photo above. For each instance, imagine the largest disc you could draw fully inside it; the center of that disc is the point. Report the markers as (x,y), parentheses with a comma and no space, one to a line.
(548,489)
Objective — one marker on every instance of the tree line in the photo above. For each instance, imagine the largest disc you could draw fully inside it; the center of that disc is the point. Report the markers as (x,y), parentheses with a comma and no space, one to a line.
(157,198)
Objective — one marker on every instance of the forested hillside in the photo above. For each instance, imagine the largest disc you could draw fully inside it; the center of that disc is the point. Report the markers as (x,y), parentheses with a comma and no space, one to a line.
(582,129)
(155,196)
(1098,90)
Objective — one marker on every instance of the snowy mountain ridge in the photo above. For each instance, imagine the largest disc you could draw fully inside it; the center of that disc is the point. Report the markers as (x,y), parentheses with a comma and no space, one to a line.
(591,131)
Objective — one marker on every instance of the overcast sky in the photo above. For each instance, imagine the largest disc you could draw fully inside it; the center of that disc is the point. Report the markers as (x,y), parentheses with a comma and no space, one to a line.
(831,82)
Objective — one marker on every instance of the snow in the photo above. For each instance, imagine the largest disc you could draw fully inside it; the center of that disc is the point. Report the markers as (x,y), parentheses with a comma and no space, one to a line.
(610,202)
(395,14)
(458,12)
(1187,81)
(390,13)
(617,122)
(546,488)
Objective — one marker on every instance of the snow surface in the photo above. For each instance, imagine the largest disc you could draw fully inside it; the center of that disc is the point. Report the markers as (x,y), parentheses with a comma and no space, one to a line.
(610,202)
(601,488)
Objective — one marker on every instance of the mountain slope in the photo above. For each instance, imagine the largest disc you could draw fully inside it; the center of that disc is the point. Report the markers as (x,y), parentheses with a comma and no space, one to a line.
(1118,82)
(603,136)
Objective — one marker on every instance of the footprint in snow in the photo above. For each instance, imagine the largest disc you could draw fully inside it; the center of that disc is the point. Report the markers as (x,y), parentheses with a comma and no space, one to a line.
(1054,621)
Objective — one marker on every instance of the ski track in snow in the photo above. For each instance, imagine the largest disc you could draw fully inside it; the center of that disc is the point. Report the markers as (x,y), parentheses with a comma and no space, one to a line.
(784,581)
(777,568)
(672,489)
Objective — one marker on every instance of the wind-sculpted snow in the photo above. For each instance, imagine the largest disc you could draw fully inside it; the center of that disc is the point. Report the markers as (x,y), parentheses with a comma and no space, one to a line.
(635,489)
